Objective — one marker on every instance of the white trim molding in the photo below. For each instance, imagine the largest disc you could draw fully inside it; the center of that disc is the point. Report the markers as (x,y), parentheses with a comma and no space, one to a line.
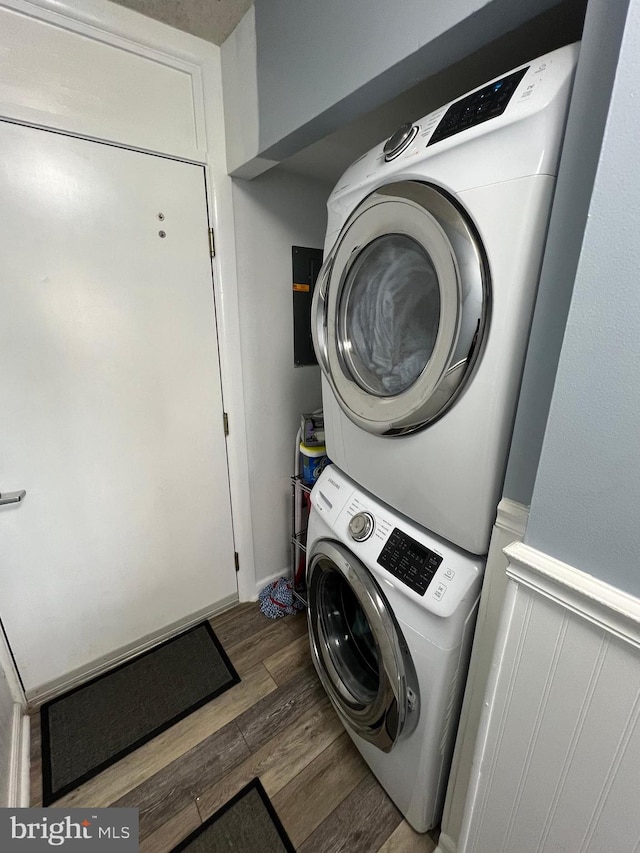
(512,517)
(18,789)
(602,604)
(14,733)
(558,743)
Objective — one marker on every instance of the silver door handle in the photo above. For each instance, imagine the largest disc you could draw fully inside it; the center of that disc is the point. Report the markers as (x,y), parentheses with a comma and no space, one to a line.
(12,497)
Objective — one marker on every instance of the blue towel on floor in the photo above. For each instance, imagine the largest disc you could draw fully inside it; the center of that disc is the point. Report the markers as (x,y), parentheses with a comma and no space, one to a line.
(277,599)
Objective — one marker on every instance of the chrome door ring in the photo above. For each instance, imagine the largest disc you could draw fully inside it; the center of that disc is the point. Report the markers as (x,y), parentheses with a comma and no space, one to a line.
(395,708)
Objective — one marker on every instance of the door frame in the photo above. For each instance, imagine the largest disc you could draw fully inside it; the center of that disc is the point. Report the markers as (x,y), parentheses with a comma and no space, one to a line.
(171,51)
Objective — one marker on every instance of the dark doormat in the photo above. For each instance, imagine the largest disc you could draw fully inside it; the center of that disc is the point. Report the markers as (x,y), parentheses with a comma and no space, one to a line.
(248,823)
(97,724)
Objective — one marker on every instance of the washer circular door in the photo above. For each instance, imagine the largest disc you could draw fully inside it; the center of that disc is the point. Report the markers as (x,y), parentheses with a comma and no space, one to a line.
(400,308)
(358,649)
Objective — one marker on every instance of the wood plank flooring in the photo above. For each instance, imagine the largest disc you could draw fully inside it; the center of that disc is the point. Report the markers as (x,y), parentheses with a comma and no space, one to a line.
(277,724)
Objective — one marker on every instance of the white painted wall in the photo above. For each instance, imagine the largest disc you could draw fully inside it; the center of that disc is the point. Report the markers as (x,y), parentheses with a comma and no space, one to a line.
(273,213)
(584,509)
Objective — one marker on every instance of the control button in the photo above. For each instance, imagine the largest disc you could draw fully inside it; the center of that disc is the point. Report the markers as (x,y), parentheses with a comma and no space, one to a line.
(361,526)
(396,144)
(439,591)
(449,574)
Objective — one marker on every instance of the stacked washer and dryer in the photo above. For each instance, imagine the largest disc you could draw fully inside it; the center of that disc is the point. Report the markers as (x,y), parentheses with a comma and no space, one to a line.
(421,319)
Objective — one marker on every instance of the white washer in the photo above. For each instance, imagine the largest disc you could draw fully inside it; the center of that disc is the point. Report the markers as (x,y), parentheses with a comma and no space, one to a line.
(423,307)
(391,615)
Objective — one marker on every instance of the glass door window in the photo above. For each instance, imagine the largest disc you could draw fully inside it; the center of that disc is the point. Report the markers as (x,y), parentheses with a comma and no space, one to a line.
(349,640)
(389,314)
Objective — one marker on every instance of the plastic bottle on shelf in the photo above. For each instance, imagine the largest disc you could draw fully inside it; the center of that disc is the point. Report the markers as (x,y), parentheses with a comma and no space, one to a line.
(313,461)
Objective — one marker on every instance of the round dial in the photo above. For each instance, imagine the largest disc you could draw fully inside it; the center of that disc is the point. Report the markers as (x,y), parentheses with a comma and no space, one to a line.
(361,526)
(396,144)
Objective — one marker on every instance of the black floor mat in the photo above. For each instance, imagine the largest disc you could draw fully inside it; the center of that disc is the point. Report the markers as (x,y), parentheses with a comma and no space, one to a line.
(95,725)
(246,824)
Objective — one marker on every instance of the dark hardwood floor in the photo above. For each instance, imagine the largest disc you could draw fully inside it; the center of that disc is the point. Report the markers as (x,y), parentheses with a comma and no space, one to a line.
(276,724)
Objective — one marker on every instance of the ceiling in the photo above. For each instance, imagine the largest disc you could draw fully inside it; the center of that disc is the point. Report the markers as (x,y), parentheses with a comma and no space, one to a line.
(212,20)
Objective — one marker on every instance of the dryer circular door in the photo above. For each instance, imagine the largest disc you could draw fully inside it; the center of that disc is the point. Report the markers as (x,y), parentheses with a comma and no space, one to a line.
(400,308)
(358,648)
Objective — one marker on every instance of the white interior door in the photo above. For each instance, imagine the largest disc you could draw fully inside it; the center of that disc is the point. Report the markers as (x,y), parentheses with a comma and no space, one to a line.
(110,399)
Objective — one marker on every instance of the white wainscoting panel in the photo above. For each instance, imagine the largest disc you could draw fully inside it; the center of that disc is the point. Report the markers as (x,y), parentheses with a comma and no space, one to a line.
(557,760)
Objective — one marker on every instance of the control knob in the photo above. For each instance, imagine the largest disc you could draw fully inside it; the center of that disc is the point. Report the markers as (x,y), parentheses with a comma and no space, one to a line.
(361,526)
(396,144)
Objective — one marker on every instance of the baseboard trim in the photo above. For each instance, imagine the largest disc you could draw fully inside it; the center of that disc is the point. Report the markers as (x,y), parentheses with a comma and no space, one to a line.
(609,608)
(52,689)
(445,844)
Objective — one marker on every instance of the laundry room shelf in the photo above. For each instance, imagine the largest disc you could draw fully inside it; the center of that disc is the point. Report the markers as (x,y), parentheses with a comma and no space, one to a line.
(299,514)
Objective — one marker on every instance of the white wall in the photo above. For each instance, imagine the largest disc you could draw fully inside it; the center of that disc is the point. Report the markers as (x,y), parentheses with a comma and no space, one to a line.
(584,509)
(273,213)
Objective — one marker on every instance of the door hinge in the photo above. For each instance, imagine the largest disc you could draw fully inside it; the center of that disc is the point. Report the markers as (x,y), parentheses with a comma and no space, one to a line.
(212,243)
(225,423)
(236,560)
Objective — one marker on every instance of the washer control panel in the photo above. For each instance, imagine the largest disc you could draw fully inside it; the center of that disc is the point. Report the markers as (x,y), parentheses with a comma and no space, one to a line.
(361,526)
(409,561)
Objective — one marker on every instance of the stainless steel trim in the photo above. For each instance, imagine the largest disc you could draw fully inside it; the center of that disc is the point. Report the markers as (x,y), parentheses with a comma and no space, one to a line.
(401,139)
(361,526)
(319,314)
(12,497)
(437,222)
(395,709)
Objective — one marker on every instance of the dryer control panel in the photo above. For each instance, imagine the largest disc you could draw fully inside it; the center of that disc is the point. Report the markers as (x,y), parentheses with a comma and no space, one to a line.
(477,107)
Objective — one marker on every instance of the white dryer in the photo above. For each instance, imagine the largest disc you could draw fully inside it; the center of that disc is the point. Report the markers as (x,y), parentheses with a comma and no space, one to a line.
(391,616)
(423,306)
